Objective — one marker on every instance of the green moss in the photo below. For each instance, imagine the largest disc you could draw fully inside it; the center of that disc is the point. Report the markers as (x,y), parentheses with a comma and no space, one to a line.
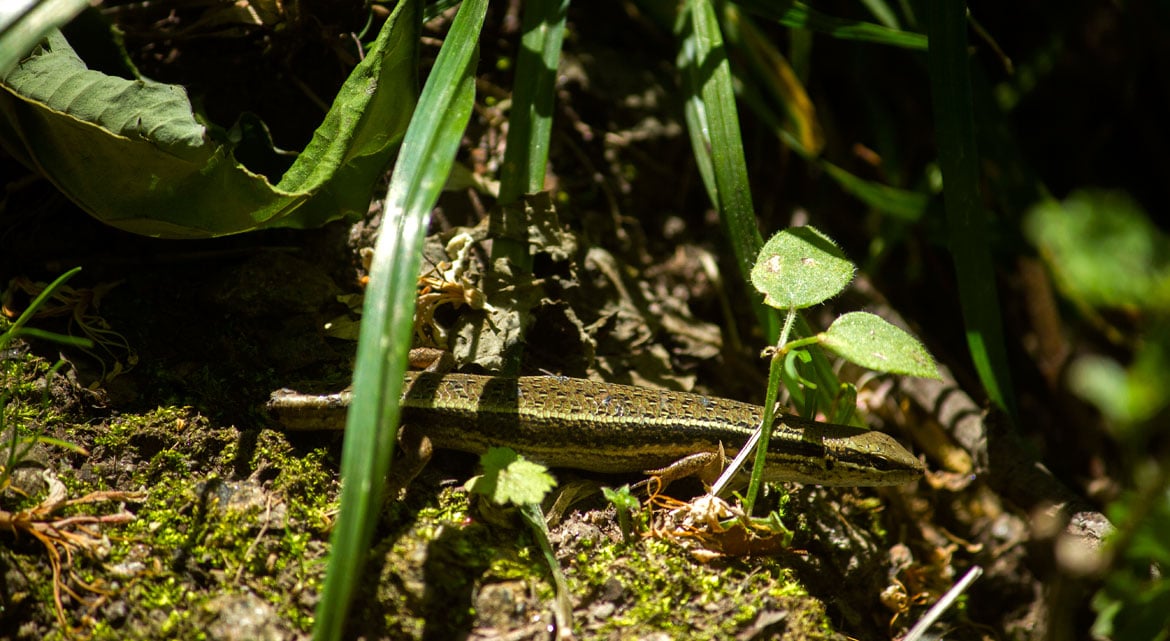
(663,588)
(27,419)
(23,403)
(201,533)
(118,434)
(435,570)
(875,508)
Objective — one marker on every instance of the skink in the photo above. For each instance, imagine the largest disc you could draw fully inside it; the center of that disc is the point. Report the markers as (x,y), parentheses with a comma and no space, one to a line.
(611,428)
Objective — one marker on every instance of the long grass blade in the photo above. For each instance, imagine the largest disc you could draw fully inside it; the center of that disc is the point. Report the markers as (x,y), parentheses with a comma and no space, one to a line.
(882,11)
(713,125)
(954,114)
(530,120)
(425,160)
(801,16)
(772,78)
(13,330)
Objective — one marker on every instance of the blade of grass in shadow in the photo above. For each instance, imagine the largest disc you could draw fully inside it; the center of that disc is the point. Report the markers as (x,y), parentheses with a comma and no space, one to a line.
(530,119)
(800,15)
(954,116)
(882,11)
(425,160)
(904,204)
(437,8)
(13,330)
(18,330)
(777,97)
(768,71)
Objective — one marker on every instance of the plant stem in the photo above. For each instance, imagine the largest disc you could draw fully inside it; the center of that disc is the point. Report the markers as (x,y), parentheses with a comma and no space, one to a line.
(774,369)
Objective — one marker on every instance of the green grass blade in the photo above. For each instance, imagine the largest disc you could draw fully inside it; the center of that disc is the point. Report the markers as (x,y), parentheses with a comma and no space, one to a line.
(713,125)
(24,24)
(63,339)
(903,204)
(13,330)
(801,16)
(950,79)
(437,8)
(563,605)
(774,82)
(530,121)
(424,162)
(882,11)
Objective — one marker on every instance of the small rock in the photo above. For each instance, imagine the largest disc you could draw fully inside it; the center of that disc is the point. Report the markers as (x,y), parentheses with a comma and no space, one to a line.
(244,617)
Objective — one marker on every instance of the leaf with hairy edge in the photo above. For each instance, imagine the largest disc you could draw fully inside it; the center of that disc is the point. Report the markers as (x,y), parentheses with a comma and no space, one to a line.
(873,343)
(800,267)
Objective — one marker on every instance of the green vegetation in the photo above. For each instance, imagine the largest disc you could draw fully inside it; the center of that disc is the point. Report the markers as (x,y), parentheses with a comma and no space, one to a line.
(801,267)
(248,539)
(1108,257)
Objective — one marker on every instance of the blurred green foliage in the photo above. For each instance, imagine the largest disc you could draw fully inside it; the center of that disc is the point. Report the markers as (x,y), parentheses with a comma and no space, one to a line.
(1110,261)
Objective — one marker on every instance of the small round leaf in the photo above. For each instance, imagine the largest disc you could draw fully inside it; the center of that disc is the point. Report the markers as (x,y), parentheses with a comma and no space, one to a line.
(871,342)
(800,267)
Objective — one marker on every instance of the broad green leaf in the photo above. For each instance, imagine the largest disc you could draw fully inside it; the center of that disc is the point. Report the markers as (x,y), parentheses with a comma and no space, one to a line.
(1105,383)
(1104,252)
(1129,396)
(872,342)
(800,267)
(511,479)
(133,154)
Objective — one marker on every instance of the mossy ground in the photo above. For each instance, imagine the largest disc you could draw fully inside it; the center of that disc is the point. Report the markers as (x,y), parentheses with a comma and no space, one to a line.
(200,532)
(209,542)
